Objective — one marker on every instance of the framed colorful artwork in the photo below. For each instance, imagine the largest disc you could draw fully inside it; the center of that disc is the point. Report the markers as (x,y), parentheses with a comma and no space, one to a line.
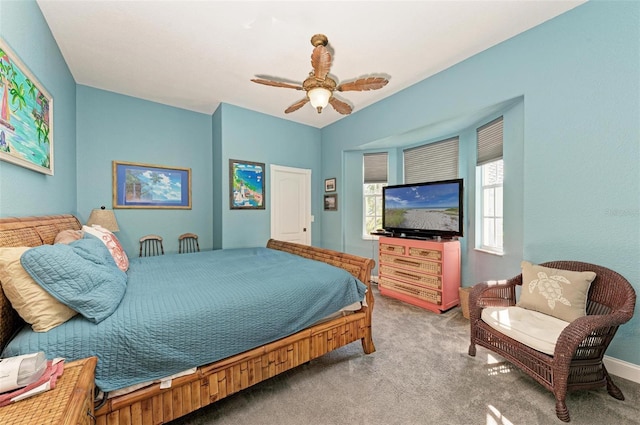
(138,185)
(246,185)
(26,115)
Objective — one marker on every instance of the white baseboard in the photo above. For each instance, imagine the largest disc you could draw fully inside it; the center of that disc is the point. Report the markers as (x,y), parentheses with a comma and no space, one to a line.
(622,369)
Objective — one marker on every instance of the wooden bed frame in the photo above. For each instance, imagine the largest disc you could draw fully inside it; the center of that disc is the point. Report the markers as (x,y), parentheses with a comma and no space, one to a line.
(151,405)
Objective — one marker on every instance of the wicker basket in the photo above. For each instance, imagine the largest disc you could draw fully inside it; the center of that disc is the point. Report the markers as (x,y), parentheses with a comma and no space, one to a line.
(464,300)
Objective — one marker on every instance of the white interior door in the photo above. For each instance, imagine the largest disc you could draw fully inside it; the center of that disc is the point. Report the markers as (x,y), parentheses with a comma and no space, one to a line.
(291,204)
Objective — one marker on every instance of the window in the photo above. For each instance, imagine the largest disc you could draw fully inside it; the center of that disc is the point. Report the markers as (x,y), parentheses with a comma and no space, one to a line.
(431,162)
(372,207)
(490,174)
(375,178)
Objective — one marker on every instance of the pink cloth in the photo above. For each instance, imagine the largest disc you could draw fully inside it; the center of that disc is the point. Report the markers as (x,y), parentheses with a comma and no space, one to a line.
(51,375)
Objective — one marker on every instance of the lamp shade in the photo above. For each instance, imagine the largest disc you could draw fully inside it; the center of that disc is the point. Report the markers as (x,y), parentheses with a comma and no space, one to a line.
(319,97)
(105,218)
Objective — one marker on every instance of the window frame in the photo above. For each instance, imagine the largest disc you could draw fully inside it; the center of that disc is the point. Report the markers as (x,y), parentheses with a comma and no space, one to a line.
(375,171)
(378,201)
(498,232)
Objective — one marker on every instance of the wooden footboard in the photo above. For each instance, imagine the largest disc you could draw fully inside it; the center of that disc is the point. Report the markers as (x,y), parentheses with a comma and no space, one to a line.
(151,405)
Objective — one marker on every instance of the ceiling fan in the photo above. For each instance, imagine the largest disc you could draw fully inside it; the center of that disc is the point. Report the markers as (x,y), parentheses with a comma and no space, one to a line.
(319,86)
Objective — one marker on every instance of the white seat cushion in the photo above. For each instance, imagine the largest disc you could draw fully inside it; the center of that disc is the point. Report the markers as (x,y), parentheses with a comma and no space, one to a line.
(534,329)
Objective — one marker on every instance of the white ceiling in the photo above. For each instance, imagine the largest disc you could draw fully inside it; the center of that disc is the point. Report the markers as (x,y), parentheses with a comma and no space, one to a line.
(197,54)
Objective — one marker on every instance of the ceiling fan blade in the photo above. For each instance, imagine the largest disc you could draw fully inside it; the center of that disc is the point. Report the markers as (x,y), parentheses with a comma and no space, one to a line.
(362,84)
(299,104)
(276,84)
(321,62)
(340,106)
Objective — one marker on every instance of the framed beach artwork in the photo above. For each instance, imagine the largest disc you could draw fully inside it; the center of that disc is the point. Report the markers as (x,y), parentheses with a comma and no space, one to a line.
(26,115)
(138,185)
(246,185)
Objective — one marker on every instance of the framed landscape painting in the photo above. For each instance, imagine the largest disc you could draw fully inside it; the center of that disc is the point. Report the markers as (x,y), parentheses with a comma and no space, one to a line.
(246,185)
(26,116)
(138,185)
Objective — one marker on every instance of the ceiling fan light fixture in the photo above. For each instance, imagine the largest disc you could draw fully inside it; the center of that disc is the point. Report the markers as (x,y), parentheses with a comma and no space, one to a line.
(319,97)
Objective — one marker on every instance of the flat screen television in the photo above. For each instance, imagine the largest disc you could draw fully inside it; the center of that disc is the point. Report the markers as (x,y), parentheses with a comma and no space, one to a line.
(423,210)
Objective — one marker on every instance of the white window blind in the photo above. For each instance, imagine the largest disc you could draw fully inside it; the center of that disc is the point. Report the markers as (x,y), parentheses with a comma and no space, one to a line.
(432,162)
(490,138)
(375,167)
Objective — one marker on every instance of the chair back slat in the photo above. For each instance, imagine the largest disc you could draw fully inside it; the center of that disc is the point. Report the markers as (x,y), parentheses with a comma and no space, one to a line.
(151,245)
(188,242)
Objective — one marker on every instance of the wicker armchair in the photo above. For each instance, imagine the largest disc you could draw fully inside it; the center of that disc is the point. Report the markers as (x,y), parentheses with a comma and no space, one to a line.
(577,360)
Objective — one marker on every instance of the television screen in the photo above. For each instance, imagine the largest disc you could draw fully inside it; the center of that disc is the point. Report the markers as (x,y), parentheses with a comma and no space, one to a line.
(423,209)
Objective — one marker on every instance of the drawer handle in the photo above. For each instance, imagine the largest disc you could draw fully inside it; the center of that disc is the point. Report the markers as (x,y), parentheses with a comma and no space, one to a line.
(407,262)
(408,275)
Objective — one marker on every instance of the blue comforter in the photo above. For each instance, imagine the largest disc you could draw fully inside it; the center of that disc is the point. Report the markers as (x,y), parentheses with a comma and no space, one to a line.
(187,310)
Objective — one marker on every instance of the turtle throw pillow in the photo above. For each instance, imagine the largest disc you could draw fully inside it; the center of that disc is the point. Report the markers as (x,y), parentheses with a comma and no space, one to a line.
(558,293)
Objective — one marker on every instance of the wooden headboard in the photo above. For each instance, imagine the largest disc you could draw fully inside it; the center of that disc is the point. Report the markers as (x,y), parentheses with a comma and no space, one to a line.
(27,231)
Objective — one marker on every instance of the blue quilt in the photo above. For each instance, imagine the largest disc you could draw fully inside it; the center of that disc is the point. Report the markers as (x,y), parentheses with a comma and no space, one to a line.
(185,310)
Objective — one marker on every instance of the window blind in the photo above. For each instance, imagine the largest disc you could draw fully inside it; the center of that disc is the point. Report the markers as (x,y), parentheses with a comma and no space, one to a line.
(490,138)
(375,167)
(432,162)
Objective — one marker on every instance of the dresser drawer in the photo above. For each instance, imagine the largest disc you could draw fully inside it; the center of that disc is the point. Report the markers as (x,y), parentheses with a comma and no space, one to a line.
(431,281)
(413,263)
(429,295)
(396,249)
(430,254)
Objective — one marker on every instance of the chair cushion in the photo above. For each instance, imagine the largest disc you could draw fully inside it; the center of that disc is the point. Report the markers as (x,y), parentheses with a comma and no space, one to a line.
(534,329)
(558,293)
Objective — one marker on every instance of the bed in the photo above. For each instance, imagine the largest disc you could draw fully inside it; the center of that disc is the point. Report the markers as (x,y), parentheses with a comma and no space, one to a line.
(212,381)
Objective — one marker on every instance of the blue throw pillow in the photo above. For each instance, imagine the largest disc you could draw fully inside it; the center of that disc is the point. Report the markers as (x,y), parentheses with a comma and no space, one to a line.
(81,275)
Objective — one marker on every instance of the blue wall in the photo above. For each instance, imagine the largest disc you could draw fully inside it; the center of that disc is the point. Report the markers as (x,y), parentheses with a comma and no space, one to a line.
(572,151)
(252,136)
(115,127)
(23,191)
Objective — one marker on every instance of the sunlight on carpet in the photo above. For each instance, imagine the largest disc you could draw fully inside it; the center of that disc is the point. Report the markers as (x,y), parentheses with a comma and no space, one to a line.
(494,417)
(496,366)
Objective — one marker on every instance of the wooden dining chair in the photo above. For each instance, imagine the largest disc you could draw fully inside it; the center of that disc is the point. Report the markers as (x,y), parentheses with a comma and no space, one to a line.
(188,242)
(151,245)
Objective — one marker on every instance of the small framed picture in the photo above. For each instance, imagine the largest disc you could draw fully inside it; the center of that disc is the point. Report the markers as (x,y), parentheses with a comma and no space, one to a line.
(330,185)
(331,202)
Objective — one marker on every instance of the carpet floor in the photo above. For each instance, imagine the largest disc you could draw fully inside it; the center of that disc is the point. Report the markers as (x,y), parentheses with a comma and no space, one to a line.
(420,374)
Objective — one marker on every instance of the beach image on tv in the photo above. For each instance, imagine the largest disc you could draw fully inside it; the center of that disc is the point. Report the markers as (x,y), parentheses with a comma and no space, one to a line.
(423,207)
